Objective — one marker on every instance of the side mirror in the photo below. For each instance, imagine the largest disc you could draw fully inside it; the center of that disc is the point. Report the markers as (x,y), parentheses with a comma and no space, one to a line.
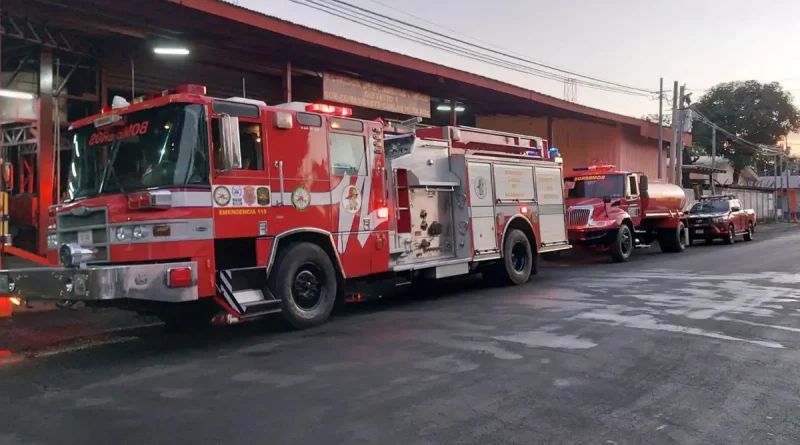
(643,187)
(8,176)
(606,199)
(231,143)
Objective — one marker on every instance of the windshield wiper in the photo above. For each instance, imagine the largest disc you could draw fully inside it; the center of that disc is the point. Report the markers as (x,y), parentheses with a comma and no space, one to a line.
(109,170)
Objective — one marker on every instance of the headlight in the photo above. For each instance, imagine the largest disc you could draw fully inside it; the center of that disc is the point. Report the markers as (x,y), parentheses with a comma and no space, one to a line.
(138,233)
(719,219)
(52,241)
(121,233)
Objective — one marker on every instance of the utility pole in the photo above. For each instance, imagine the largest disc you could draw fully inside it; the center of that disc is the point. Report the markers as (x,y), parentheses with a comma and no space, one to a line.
(786,195)
(775,193)
(674,127)
(713,157)
(679,154)
(661,128)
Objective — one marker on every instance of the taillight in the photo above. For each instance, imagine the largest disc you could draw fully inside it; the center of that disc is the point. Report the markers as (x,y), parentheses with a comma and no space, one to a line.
(179,277)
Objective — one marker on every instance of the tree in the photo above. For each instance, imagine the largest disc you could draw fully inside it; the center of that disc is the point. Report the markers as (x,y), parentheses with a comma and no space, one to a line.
(653,117)
(756,112)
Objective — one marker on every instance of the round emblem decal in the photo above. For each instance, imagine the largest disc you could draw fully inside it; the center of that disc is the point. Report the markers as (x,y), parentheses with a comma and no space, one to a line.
(351,199)
(222,196)
(301,198)
(480,187)
(249,195)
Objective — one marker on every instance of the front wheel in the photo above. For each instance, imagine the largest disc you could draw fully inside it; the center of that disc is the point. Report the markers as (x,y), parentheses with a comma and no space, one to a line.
(731,235)
(305,281)
(623,245)
(751,231)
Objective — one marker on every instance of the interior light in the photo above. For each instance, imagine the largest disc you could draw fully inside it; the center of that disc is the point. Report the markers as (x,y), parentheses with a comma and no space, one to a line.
(171,51)
(15,94)
(445,107)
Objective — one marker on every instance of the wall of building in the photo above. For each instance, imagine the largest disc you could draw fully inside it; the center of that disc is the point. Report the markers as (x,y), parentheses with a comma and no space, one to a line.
(584,143)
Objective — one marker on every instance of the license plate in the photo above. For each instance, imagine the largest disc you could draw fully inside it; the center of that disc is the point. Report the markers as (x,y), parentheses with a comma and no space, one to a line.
(699,231)
(85,238)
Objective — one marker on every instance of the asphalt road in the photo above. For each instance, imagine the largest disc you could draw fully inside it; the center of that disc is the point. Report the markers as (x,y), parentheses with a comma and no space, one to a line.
(697,348)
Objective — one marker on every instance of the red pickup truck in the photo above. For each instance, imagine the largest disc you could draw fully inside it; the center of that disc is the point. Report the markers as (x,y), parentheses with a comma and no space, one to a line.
(720,217)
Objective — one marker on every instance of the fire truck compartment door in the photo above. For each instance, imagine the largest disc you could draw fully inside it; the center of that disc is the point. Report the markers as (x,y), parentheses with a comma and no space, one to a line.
(514,183)
(550,197)
(481,199)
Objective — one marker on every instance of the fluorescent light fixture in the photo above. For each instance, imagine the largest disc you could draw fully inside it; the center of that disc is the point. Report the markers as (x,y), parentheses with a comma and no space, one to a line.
(171,51)
(15,94)
(443,107)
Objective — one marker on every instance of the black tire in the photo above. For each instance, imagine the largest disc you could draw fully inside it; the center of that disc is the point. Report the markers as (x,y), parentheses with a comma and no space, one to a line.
(622,247)
(673,240)
(304,280)
(731,238)
(751,230)
(518,263)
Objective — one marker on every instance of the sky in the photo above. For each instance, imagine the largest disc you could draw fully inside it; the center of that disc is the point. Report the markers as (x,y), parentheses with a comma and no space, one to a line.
(631,42)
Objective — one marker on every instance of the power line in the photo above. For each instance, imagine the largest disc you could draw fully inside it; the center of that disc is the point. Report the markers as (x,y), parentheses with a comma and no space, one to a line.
(369,21)
(502,53)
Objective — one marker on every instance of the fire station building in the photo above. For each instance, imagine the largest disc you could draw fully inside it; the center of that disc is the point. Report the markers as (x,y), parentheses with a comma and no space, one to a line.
(65,59)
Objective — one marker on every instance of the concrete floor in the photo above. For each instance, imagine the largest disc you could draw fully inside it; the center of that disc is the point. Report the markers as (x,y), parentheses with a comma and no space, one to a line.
(695,348)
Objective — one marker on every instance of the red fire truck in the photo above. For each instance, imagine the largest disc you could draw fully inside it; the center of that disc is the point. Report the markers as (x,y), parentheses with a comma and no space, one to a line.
(186,206)
(616,211)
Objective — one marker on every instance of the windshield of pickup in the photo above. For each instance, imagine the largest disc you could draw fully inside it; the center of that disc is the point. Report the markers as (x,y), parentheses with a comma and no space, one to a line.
(157,147)
(710,207)
(595,186)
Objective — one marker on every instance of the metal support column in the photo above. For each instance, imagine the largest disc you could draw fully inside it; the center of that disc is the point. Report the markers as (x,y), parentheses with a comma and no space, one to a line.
(453,113)
(287,82)
(45,173)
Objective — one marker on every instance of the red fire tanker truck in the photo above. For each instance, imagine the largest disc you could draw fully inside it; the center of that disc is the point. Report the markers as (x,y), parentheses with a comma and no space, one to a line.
(615,211)
(186,206)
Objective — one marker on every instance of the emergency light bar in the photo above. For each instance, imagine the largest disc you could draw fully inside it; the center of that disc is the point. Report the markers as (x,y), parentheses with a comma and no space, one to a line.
(598,168)
(329,109)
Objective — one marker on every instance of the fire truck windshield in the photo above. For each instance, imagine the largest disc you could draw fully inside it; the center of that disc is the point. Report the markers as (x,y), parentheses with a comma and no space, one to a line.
(157,147)
(595,186)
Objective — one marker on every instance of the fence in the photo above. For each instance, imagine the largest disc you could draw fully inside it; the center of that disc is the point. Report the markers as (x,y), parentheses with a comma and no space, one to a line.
(761,201)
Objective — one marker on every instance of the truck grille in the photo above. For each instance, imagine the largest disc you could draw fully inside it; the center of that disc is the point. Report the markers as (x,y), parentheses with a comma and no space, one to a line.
(94,221)
(579,217)
(696,221)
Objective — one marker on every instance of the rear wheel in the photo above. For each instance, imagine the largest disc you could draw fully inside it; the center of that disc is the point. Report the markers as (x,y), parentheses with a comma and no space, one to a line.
(673,240)
(622,247)
(751,230)
(518,262)
(305,281)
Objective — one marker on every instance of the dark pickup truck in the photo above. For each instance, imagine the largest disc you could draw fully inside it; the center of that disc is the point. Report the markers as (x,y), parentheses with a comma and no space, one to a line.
(720,217)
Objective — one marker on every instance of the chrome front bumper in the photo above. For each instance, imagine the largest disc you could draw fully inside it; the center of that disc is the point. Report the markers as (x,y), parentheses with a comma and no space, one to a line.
(96,283)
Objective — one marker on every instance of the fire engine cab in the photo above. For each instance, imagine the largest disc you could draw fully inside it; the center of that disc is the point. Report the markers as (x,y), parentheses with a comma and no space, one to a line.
(186,206)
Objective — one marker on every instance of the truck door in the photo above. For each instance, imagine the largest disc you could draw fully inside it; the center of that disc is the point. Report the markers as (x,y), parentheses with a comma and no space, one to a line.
(241,196)
(358,194)
(550,198)
(738,215)
(632,200)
